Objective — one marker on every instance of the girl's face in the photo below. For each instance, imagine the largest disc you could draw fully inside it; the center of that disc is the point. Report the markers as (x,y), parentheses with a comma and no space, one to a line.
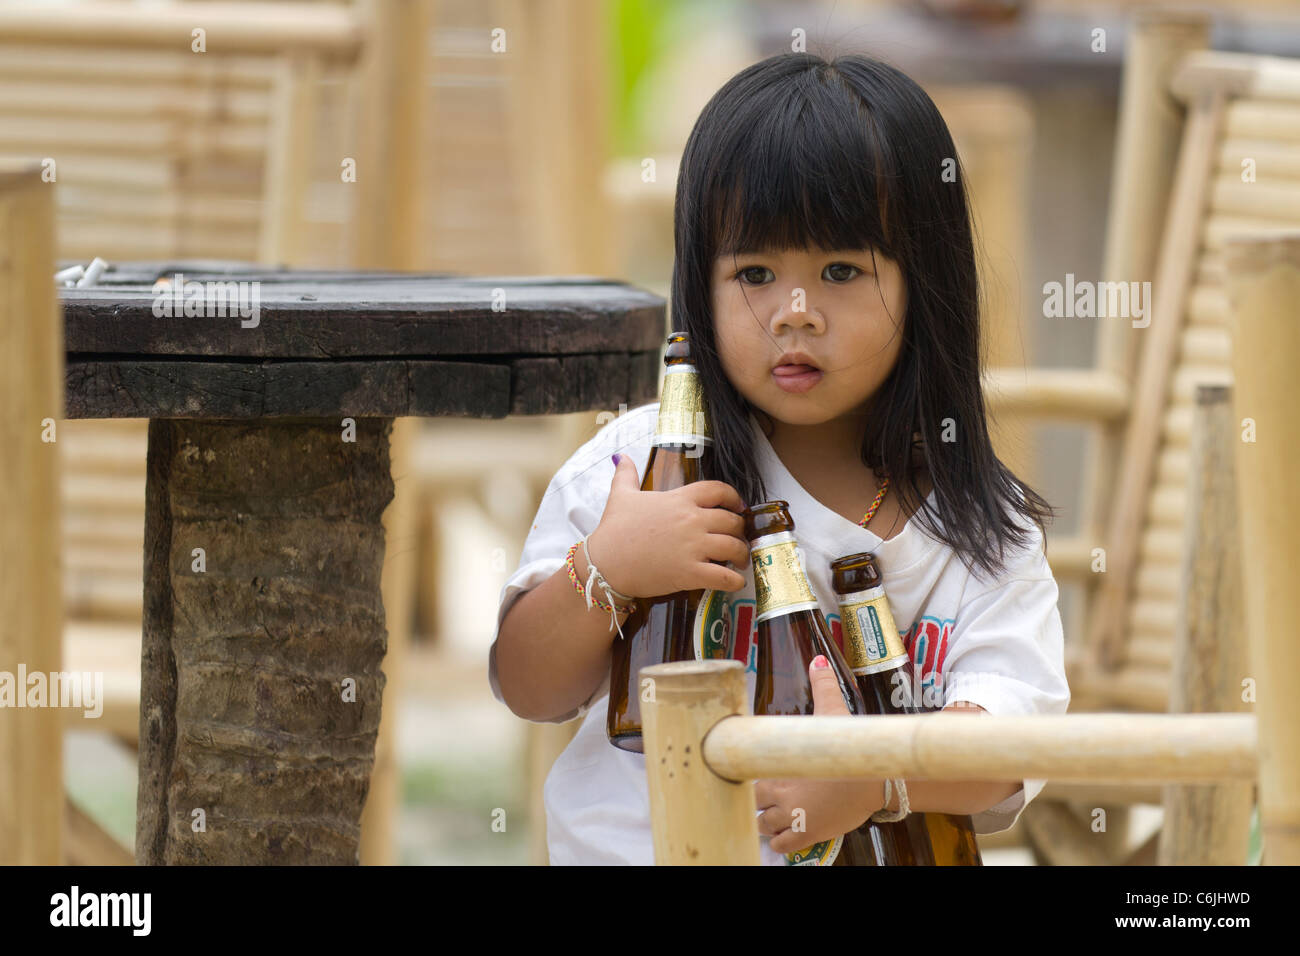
(843,310)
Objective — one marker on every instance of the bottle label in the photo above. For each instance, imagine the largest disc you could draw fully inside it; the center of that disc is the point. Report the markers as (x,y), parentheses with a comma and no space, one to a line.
(871,639)
(712,629)
(819,854)
(682,420)
(780,583)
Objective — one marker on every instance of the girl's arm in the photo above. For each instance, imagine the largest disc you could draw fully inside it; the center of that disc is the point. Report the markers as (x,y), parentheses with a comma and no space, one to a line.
(552,651)
(953,796)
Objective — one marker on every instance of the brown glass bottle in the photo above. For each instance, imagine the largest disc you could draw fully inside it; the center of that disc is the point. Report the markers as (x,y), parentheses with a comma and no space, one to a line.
(662,628)
(875,653)
(791,631)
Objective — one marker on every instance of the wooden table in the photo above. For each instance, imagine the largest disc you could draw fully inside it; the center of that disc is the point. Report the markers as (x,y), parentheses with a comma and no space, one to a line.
(268,473)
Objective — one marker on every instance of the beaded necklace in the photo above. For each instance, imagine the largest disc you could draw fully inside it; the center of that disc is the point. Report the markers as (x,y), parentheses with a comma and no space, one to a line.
(880,496)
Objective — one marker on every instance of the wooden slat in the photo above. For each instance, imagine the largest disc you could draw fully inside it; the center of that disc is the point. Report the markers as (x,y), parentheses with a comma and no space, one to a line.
(1260,118)
(1230,196)
(1204,345)
(1153,612)
(233,140)
(1168,506)
(1221,225)
(1171,467)
(231,27)
(1273,162)
(1206,306)
(79,101)
(154,208)
(1177,425)
(83,241)
(89,64)
(1157,580)
(102,492)
(1161,547)
(91,527)
(110,649)
(1150,652)
(1059,393)
(103,598)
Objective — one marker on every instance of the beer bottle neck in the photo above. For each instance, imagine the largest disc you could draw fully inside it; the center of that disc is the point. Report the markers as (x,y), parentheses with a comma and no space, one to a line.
(780,582)
(682,416)
(871,640)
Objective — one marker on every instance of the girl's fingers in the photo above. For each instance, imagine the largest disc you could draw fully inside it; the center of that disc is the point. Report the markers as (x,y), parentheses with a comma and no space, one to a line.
(718,577)
(723,547)
(722,521)
(715,494)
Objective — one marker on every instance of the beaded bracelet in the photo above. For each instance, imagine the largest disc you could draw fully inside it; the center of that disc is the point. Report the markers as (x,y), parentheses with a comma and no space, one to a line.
(597,579)
(885,816)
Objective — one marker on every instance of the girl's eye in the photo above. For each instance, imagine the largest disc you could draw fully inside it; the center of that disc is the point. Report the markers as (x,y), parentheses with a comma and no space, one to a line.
(748,274)
(753,275)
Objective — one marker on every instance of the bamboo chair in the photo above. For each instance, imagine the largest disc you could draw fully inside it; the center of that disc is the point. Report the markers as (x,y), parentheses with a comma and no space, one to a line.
(1238,107)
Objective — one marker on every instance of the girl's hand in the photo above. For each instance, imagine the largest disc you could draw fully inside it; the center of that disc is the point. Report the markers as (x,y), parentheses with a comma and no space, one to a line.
(650,543)
(829,807)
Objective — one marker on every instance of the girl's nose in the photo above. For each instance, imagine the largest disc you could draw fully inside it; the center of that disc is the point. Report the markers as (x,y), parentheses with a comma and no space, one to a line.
(797,314)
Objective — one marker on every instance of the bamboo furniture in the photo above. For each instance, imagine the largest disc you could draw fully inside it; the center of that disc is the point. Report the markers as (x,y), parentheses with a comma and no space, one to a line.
(31,611)
(704,749)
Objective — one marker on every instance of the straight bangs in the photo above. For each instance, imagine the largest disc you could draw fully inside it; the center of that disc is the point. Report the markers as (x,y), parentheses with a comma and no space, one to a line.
(802,168)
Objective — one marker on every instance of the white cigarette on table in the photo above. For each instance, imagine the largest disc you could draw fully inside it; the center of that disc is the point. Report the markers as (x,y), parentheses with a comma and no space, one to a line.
(93,272)
(69,275)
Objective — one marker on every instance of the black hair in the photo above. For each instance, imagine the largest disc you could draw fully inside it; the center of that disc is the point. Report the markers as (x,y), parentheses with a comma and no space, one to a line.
(797,152)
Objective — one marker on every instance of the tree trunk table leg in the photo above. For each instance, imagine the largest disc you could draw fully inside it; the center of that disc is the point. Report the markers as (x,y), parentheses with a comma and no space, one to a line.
(264,633)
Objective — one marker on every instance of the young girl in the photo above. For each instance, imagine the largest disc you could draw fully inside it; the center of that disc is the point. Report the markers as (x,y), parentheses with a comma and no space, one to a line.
(825,273)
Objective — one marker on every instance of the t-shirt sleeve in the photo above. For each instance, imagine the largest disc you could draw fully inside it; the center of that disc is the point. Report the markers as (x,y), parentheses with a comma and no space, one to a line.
(1007,654)
(571,508)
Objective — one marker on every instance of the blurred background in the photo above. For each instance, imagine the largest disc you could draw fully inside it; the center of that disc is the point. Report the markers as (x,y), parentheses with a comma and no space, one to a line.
(516,137)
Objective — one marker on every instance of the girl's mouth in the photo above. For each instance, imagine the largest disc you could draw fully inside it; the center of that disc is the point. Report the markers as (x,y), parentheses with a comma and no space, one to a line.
(796,378)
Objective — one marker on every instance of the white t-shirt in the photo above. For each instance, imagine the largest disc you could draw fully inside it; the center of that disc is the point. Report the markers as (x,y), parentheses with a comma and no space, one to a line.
(997,643)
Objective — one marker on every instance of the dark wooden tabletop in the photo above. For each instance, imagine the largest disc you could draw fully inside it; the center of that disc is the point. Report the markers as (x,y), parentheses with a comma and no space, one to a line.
(291,343)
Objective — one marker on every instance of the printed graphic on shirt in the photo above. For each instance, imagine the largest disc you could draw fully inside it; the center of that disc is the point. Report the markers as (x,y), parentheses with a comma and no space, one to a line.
(927,643)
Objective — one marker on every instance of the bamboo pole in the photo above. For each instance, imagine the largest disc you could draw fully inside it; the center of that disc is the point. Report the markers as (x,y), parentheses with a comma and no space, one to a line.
(1209,825)
(394,81)
(1264,286)
(1108,617)
(290,153)
(1096,748)
(1068,394)
(31,600)
(558,91)
(230,27)
(698,817)
(1146,149)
